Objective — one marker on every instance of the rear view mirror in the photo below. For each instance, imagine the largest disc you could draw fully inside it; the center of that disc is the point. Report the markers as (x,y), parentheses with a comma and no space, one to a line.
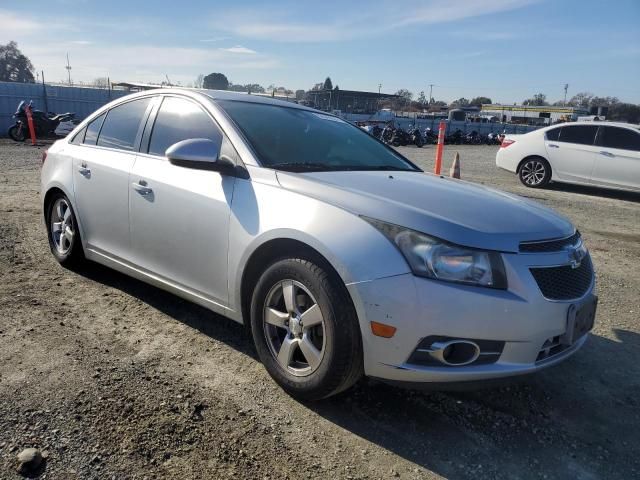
(197,153)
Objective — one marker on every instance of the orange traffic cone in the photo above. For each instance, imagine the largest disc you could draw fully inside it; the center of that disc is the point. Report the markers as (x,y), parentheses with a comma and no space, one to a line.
(454,172)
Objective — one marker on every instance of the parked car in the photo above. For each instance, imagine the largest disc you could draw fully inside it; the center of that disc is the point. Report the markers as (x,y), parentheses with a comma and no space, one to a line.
(341,255)
(604,154)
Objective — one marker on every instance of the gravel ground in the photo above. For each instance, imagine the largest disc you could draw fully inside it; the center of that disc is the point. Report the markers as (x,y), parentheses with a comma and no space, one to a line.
(112,378)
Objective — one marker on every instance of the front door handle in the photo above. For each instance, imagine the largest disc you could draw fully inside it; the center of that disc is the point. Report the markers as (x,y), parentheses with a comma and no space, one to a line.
(141,188)
(607,154)
(552,145)
(84,170)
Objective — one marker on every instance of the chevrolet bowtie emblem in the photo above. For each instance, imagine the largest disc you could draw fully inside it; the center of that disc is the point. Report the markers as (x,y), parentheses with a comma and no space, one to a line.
(576,255)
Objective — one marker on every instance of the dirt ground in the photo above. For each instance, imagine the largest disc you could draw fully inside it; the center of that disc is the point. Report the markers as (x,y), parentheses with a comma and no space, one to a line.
(119,380)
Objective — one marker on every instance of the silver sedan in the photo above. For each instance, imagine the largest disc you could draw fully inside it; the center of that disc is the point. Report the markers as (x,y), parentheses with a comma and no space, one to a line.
(342,257)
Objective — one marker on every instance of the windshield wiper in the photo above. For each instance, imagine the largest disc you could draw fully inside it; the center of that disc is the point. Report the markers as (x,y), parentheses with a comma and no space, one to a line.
(376,168)
(300,167)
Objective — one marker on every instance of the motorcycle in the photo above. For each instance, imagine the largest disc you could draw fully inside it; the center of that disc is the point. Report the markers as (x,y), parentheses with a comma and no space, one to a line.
(400,138)
(416,137)
(45,125)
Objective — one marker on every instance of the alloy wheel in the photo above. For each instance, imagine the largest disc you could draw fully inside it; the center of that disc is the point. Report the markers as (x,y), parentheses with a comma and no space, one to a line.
(62,226)
(533,172)
(294,328)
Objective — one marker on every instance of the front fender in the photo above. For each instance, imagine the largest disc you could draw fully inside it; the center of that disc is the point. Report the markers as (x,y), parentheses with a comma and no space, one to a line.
(264,212)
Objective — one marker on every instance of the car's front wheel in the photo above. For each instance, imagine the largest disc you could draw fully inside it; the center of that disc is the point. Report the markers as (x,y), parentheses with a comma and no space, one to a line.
(305,329)
(535,172)
(63,233)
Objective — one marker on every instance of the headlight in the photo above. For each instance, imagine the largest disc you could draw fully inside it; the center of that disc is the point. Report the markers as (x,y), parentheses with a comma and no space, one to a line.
(433,258)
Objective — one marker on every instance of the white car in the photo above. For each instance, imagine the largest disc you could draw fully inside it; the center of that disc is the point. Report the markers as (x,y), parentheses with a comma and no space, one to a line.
(602,154)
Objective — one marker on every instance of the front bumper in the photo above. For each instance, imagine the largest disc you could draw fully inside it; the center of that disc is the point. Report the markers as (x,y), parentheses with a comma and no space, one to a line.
(418,307)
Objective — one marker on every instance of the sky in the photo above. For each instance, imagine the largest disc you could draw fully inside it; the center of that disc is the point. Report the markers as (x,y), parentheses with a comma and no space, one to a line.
(506,50)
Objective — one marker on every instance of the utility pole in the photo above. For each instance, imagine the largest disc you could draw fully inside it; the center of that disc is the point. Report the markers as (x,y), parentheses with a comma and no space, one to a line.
(379,87)
(68,67)
(430,93)
(566,87)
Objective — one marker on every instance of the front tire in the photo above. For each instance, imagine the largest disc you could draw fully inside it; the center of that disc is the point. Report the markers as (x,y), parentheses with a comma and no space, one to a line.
(535,172)
(305,329)
(63,232)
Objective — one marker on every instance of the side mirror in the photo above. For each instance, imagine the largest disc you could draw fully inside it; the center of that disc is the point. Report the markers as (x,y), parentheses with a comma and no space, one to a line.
(199,154)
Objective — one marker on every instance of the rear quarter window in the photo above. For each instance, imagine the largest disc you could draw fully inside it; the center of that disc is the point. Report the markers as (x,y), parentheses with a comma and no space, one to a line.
(553,134)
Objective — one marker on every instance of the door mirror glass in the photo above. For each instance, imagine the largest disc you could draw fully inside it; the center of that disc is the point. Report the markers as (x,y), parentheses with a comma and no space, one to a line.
(198,153)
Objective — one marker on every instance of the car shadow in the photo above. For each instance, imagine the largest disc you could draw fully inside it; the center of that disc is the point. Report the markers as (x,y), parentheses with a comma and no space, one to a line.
(199,318)
(594,191)
(544,421)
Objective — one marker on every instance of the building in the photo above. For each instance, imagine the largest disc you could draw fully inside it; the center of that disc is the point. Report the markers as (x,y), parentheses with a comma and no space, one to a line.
(531,114)
(347,101)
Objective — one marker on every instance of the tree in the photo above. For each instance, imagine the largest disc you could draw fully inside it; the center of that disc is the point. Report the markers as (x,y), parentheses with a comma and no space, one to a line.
(199,83)
(479,101)
(404,93)
(327,84)
(336,87)
(299,94)
(582,99)
(14,65)
(422,99)
(624,112)
(461,102)
(539,99)
(215,81)
(100,82)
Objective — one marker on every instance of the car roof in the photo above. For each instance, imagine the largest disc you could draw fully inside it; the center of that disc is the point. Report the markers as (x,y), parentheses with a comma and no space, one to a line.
(246,97)
(600,122)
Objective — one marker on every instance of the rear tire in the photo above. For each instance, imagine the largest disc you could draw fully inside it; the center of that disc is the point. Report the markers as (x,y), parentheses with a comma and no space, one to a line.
(535,172)
(305,329)
(16,134)
(63,232)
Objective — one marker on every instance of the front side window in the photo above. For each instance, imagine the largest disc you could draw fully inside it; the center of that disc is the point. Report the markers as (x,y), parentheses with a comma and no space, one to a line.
(179,119)
(623,138)
(294,139)
(93,129)
(120,128)
(582,134)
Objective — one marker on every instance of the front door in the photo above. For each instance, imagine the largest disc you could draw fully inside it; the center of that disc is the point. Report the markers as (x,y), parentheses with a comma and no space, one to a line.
(618,158)
(179,217)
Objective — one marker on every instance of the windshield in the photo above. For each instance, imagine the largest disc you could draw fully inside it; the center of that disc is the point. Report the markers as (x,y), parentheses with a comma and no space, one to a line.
(299,140)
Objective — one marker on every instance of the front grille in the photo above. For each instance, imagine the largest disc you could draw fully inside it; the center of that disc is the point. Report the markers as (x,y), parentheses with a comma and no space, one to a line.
(549,245)
(564,283)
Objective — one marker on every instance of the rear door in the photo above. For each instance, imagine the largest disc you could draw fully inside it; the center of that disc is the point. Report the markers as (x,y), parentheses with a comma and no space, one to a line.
(572,152)
(179,217)
(618,158)
(101,176)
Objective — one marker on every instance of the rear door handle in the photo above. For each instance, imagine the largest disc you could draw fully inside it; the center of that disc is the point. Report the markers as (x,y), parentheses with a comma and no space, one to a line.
(84,170)
(141,188)
(552,145)
(607,154)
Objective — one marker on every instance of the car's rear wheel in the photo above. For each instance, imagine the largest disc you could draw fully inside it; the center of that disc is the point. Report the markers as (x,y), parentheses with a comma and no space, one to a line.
(535,172)
(305,329)
(63,233)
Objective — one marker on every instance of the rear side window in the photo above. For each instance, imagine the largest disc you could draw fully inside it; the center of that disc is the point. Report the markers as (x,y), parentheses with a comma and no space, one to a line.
(179,119)
(93,129)
(625,139)
(553,134)
(121,125)
(582,134)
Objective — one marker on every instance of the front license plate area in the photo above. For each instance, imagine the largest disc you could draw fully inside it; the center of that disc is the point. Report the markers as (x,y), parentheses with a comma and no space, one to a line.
(580,319)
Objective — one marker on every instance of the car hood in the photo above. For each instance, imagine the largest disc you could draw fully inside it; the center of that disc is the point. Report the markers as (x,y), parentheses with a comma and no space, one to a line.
(453,210)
